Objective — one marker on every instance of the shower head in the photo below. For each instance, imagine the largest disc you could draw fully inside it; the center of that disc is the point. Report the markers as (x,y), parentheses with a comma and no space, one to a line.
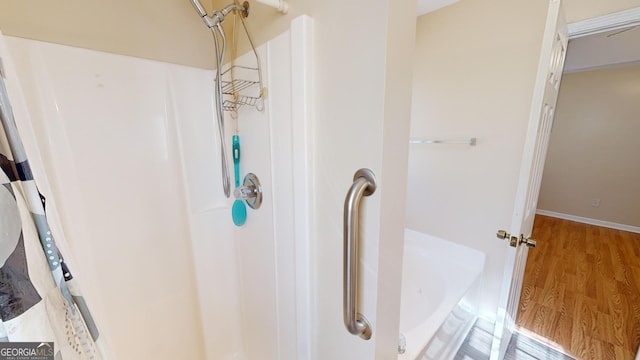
(218,16)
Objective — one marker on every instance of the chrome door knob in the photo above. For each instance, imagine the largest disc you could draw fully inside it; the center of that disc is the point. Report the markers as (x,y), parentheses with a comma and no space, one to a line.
(515,241)
(502,234)
(530,242)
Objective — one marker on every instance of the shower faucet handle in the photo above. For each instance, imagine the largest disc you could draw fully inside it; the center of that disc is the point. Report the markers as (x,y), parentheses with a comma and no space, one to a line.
(250,191)
(245,192)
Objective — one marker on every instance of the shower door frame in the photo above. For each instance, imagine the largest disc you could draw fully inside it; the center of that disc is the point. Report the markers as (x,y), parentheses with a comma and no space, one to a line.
(361,116)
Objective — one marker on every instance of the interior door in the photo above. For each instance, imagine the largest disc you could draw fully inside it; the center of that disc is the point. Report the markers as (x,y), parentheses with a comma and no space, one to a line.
(543,107)
(361,109)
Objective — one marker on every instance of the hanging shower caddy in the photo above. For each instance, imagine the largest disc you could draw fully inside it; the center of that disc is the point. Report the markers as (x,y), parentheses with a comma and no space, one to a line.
(236,86)
(241,84)
(247,88)
(244,89)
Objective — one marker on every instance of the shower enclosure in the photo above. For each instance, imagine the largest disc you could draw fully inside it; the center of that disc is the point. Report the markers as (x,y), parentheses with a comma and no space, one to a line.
(132,160)
(149,171)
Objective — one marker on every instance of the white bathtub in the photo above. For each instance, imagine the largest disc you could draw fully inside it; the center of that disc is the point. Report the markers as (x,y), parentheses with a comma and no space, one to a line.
(440,285)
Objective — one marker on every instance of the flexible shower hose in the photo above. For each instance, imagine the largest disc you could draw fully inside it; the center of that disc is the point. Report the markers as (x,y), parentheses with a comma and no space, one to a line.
(226,180)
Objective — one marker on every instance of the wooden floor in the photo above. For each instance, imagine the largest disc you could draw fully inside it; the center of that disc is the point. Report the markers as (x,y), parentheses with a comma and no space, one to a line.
(581,289)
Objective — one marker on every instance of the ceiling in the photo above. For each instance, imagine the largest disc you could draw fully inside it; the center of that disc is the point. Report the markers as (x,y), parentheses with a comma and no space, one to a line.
(612,48)
(426,6)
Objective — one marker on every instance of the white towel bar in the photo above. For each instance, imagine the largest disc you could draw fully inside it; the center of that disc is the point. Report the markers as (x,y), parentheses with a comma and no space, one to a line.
(471,142)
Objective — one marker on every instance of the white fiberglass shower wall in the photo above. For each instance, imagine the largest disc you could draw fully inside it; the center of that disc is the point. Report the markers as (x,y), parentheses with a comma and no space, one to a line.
(131,159)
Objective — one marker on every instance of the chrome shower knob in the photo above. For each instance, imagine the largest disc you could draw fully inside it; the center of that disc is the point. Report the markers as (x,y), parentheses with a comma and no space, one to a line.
(250,191)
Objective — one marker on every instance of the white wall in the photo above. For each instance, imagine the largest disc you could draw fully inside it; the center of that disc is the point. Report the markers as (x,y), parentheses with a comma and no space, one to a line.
(474,76)
(594,148)
(208,213)
(266,244)
(105,129)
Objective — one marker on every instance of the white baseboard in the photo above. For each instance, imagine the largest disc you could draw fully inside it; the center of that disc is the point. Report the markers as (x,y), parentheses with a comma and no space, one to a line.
(584,220)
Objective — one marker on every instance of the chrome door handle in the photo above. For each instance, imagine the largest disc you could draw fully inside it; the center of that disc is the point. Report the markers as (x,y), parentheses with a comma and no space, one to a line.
(364,184)
(514,241)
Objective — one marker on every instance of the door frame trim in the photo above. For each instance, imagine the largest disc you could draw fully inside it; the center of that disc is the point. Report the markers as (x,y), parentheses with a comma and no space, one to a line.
(600,24)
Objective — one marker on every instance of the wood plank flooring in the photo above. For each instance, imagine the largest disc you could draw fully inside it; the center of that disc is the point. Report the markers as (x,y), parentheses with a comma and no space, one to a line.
(581,290)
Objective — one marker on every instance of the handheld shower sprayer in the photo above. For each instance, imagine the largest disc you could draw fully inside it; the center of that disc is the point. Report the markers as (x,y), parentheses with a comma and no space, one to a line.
(214,23)
(196,5)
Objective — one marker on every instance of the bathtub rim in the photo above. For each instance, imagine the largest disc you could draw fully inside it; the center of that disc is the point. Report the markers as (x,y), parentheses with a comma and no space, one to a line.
(471,266)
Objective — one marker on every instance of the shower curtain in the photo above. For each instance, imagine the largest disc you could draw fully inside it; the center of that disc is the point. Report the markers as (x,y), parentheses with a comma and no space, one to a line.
(39,298)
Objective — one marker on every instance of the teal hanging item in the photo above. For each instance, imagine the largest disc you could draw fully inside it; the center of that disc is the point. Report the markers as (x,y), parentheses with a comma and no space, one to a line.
(239,209)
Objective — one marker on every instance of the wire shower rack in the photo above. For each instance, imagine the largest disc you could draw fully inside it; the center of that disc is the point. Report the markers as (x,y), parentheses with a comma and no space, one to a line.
(242,91)
(241,84)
